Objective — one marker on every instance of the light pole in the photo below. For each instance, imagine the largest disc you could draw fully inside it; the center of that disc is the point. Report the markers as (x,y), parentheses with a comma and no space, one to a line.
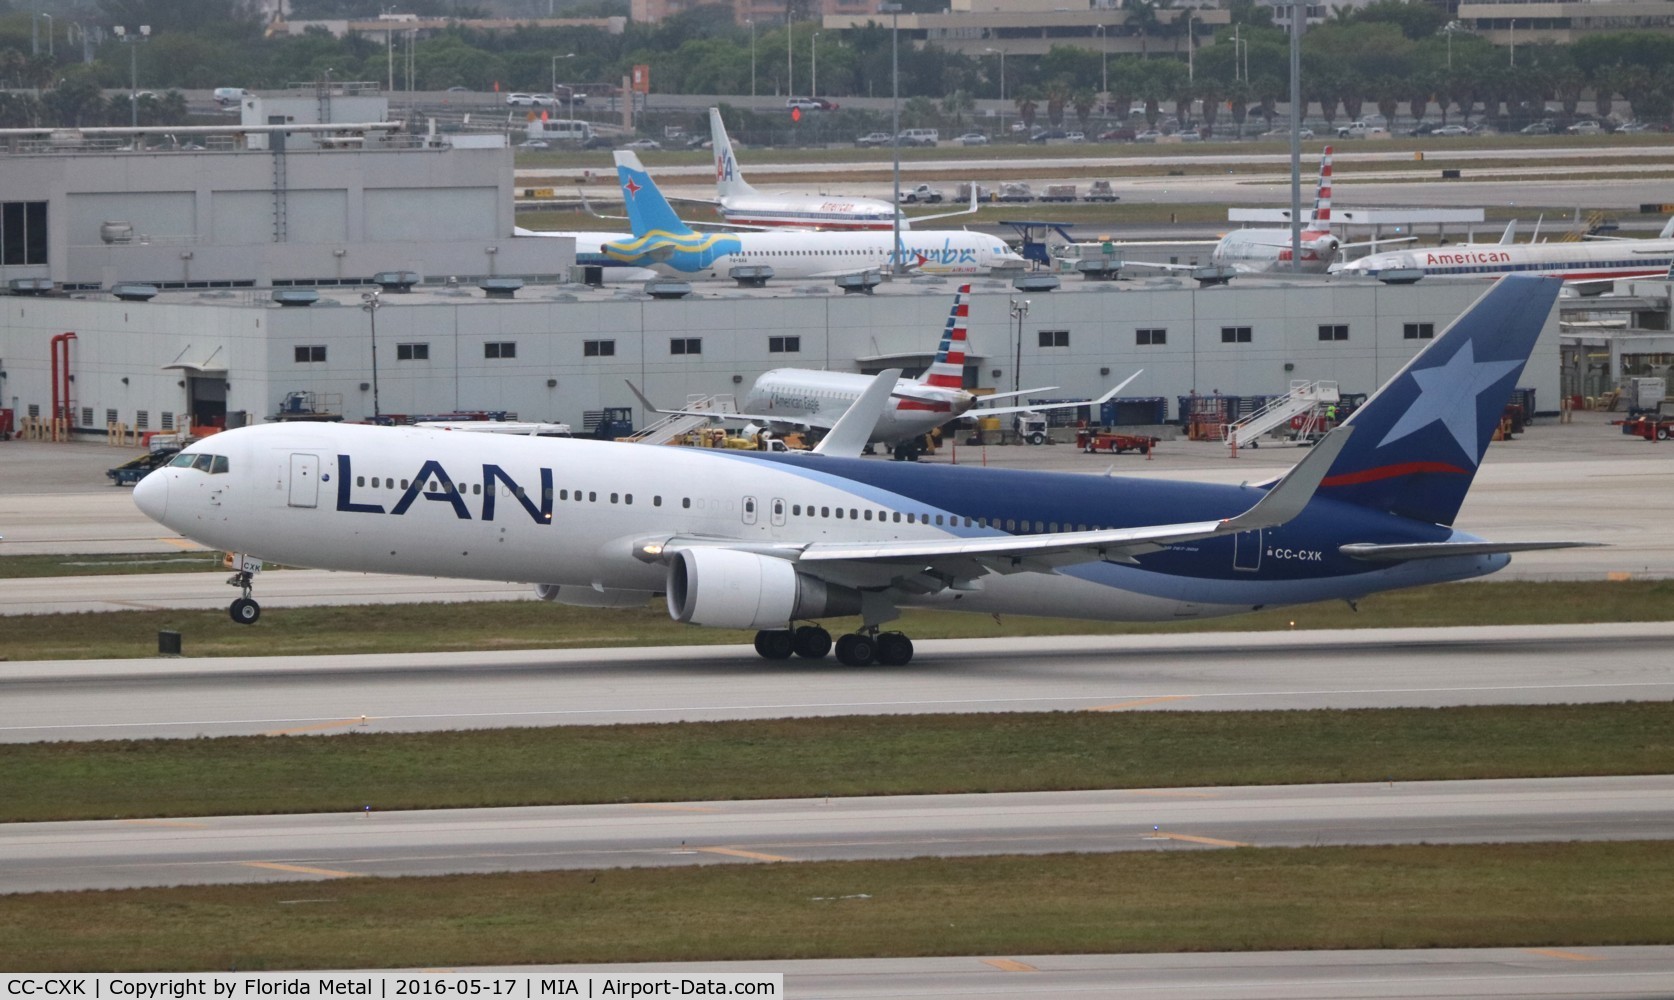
(133,68)
(49,34)
(371,302)
(1511,33)
(752,25)
(1002,53)
(790,59)
(894,12)
(1104,59)
(1019,309)
(1191,48)
(389,48)
(569,99)
(1298,11)
(814,66)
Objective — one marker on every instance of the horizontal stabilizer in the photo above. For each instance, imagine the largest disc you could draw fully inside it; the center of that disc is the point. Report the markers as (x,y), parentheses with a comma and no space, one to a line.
(1443,550)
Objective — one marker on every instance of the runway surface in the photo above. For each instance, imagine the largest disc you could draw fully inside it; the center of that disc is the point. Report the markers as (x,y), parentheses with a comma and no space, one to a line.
(1548,973)
(236,849)
(186,698)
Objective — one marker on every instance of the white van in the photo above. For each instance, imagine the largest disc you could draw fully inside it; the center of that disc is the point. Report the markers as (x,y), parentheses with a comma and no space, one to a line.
(560,130)
(918,137)
(226,96)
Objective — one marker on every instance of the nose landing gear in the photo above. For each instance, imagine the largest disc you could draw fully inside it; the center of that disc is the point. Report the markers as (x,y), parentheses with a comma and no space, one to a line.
(244,610)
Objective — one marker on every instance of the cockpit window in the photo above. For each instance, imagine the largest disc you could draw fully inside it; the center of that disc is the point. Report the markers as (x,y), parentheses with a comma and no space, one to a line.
(202,461)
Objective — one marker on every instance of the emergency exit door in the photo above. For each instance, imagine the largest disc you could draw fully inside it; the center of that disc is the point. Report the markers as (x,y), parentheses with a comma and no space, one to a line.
(305,480)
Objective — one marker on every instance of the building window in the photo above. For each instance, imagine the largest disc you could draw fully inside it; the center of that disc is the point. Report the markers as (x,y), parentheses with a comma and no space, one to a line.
(1054,338)
(1333,331)
(1418,331)
(310,353)
(23,232)
(784,345)
(685,345)
(500,349)
(598,348)
(1235,335)
(168,420)
(142,420)
(110,417)
(412,352)
(87,417)
(1150,338)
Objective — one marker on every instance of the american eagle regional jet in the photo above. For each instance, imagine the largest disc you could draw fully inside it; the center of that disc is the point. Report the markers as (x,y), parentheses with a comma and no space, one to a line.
(775,542)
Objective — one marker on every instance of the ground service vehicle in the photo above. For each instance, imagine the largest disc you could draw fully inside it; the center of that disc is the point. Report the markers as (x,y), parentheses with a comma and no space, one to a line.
(1095,439)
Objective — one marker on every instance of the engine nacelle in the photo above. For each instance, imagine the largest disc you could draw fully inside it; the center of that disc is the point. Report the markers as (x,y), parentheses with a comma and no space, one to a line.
(587,597)
(724,588)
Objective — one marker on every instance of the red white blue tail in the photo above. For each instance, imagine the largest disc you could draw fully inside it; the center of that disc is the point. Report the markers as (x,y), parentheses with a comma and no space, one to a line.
(1322,195)
(948,370)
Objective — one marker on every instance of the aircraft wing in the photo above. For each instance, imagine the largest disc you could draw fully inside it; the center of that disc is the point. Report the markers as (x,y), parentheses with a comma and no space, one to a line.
(1375,243)
(807,422)
(929,565)
(915,219)
(989,412)
(595,213)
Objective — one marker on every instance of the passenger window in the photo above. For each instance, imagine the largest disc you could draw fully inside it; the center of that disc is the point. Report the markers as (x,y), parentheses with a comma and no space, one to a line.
(938,519)
(614,497)
(657,501)
(628,498)
(839,513)
(897,517)
(563,494)
(685,501)
(592,497)
(826,512)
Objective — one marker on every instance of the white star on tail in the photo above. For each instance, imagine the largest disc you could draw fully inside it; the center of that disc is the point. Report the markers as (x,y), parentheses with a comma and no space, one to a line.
(1448,393)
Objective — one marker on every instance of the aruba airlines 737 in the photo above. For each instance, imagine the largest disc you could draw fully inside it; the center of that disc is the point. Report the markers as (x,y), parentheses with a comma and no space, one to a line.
(775,541)
(804,398)
(662,241)
(741,204)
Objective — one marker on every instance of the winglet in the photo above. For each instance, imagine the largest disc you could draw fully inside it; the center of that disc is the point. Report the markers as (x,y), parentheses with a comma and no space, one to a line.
(1107,397)
(854,428)
(1292,493)
(650,407)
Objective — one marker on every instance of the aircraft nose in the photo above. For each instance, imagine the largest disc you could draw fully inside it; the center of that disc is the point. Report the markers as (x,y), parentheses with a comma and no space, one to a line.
(151,495)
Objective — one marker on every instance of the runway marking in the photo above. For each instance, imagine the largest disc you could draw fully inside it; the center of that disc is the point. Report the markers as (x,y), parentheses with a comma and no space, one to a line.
(184,543)
(732,852)
(1137,702)
(317,726)
(302,869)
(1164,793)
(1210,841)
(1567,955)
(666,808)
(1618,577)
(1009,965)
(183,824)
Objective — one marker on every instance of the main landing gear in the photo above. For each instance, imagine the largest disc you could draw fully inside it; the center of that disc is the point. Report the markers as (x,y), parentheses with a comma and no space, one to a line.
(244,611)
(857,649)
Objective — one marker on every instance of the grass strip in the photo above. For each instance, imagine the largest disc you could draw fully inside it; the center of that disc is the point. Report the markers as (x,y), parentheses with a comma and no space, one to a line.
(478,626)
(1571,895)
(117,563)
(839,756)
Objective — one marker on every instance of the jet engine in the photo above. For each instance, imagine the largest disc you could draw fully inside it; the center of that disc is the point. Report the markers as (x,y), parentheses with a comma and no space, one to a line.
(588,597)
(724,588)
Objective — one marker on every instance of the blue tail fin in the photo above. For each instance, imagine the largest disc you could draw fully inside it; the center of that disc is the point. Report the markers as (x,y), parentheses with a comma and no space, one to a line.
(648,211)
(1420,438)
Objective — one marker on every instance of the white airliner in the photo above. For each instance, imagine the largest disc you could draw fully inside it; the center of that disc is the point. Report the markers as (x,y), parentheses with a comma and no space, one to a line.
(1593,260)
(804,398)
(661,240)
(741,204)
(775,542)
(1256,251)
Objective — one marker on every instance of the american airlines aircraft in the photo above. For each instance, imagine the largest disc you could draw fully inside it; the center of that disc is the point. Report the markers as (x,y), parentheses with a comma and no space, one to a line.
(776,542)
(1594,260)
(664,242)
(803,398)
(741,204)
(1256,251)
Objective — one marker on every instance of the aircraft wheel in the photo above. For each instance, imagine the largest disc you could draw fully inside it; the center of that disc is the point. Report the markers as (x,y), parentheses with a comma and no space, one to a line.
(894,649)
(811,642)
(856,650)
(245,611)
(775,644)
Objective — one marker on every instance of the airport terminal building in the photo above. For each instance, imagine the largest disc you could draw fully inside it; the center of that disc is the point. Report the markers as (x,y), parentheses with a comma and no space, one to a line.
(208,285)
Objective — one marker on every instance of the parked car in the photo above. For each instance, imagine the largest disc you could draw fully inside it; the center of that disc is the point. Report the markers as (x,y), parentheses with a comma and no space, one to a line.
(918,137)
(1284,133)
(972,139)
(1422,128)
(921,194)
(599,142)
(531,101)
(1633,127)
(1117,135)
(872,140)
(456,89)
(534,144)
(811,103)
(1359,130)
(1481,128)
(1450,130)
(1076,137)
(1050,135)
(1536,128)
(1149,135)
(1585,128)
(642,145)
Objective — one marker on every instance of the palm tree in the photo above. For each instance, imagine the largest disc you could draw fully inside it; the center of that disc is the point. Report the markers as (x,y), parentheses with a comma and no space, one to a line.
(1083,100)
(1028,103)
(1057,98)
(1142,17)
(956,105)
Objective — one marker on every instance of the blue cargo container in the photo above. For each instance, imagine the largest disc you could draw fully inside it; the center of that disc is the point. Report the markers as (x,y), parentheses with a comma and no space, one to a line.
(1129,411)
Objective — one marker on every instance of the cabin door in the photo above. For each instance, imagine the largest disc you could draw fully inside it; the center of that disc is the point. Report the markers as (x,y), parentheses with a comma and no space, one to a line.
(1246,551)
(305,480)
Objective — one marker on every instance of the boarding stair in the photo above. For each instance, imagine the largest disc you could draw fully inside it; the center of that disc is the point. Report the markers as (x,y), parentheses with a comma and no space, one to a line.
(1305,400)
(1595,223)
(700,409)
